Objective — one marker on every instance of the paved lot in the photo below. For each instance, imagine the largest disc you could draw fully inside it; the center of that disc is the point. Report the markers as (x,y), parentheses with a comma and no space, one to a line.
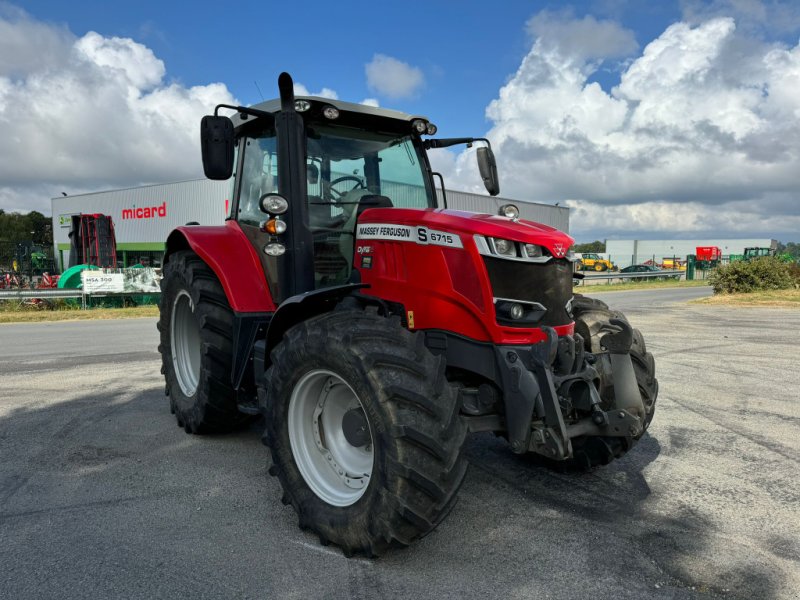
(102,496)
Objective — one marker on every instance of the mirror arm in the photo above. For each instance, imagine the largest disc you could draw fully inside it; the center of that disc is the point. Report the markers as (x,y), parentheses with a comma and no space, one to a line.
(447,142)
(244,110)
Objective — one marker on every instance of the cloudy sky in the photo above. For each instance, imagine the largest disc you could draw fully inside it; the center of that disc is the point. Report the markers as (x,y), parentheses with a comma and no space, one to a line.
(675,120)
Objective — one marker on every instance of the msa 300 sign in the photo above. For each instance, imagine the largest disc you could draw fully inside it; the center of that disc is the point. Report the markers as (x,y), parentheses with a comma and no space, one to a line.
(404,233)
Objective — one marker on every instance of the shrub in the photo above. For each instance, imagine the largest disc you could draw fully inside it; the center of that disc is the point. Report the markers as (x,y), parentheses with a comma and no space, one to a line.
(764,273)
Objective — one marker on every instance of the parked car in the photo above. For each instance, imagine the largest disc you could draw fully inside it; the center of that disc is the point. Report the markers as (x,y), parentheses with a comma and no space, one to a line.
(647,269)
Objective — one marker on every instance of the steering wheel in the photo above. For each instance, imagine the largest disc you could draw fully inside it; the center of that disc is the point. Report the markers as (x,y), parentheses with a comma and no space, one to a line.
(338,194)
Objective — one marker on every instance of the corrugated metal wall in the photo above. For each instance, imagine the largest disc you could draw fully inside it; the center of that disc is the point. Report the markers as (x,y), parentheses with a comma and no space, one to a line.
(144,216)
(547,214)
(201,200)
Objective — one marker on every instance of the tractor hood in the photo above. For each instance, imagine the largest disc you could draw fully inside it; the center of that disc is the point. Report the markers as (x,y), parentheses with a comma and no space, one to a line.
(467,224)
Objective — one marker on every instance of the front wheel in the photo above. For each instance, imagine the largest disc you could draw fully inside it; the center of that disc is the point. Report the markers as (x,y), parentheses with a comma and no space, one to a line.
(196,325)
(364,431)
(592,322)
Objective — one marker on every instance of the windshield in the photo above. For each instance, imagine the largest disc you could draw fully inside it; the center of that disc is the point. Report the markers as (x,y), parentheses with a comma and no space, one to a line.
(346,164)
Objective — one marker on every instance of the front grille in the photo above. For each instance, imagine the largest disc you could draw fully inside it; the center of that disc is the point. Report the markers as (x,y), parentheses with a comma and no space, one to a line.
(549,284)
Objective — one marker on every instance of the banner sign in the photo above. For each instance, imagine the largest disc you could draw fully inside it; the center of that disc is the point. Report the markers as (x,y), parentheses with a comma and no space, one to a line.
(95,282)
(136,281)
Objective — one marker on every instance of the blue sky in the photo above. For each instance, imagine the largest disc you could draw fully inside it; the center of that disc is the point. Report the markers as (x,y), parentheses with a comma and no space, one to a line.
(466,50)
(648,119)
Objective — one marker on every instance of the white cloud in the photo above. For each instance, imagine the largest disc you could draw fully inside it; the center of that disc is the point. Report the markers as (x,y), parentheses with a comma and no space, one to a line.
(301,90)
(583,39)
(704,121)
(393,78)
(756,16)
(88,113)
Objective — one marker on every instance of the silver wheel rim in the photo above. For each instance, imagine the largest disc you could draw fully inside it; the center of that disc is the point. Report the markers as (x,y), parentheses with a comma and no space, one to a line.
(335,470)
(185,342)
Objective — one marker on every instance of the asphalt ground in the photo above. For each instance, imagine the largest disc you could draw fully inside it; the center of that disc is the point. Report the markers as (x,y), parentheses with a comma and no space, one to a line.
(102,496)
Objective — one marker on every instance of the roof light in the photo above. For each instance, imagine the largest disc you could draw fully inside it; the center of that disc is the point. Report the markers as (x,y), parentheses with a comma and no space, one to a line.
(432,129)
(419,126)
(330,112)
(302,105)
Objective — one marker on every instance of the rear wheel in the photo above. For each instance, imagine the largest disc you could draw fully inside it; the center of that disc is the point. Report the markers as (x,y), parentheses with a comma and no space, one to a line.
(364,431)
(592,323)
(599,267)
(196,323)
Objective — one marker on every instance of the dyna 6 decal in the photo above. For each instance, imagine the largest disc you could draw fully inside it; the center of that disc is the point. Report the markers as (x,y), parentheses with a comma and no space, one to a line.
(404,233)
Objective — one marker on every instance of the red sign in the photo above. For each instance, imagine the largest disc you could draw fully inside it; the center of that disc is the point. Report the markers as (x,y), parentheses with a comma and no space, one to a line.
(147,212)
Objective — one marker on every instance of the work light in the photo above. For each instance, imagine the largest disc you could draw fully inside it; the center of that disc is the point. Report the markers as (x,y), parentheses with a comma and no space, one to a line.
(274,204)
(509,210)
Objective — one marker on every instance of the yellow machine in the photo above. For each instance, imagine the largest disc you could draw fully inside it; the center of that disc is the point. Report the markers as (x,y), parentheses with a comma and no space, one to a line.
(595,262)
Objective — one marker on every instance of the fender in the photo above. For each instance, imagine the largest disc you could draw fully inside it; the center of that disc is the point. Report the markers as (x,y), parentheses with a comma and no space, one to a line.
(232,258)
(304,306)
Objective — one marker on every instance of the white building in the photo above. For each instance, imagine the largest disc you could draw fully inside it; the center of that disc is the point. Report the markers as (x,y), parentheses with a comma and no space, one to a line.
(632,252)
(144,216)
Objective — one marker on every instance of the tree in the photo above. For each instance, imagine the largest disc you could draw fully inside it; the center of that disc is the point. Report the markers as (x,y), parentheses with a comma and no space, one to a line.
(33,226)
(791,248)
(595,246)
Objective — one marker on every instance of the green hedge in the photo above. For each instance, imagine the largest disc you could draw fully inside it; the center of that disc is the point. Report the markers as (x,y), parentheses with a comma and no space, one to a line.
(765,273)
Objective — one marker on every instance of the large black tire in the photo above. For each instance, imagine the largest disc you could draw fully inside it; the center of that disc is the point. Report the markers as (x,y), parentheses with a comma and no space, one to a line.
(592,323)
(192,287)
(413,414)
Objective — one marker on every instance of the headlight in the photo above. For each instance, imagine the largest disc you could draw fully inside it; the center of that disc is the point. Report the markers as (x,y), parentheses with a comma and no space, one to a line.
(302,105)
(330,112)
(533,251)
(504,247)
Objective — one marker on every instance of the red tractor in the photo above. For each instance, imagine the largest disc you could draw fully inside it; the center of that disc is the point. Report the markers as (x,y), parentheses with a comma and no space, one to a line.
(373,328)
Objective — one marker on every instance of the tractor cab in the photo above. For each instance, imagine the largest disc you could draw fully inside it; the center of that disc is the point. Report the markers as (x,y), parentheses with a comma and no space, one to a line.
(351,157)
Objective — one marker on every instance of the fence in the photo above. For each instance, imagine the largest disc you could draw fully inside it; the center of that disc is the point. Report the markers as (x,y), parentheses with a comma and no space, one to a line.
(590,278)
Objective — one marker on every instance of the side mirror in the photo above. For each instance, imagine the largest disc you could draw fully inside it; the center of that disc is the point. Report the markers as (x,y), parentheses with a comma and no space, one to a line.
(488,169)
(216,143)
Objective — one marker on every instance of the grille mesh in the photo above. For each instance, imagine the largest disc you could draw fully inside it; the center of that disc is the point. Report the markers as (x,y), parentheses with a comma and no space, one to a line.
(549,284)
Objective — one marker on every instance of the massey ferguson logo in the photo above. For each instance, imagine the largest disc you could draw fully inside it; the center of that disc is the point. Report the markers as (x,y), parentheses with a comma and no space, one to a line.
(147,212)
(559,250)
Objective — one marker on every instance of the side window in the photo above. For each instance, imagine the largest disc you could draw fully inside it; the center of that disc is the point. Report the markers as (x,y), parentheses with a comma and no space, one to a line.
(259,176)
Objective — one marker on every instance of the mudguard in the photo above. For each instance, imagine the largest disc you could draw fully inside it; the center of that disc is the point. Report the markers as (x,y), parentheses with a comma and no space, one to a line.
(233,259)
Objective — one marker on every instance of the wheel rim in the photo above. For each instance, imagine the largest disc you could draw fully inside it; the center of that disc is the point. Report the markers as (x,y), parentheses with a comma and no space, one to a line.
(185,341)
(337,471)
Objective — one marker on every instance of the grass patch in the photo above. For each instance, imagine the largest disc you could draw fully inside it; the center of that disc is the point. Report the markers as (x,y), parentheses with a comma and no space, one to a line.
(775,298)
(640,285)
(17,312)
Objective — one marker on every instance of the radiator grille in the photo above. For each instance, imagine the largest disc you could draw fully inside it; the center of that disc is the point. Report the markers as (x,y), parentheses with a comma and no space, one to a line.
(549,284)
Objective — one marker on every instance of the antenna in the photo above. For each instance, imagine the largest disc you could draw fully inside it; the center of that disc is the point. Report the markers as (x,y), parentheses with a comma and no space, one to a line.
(259,90)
